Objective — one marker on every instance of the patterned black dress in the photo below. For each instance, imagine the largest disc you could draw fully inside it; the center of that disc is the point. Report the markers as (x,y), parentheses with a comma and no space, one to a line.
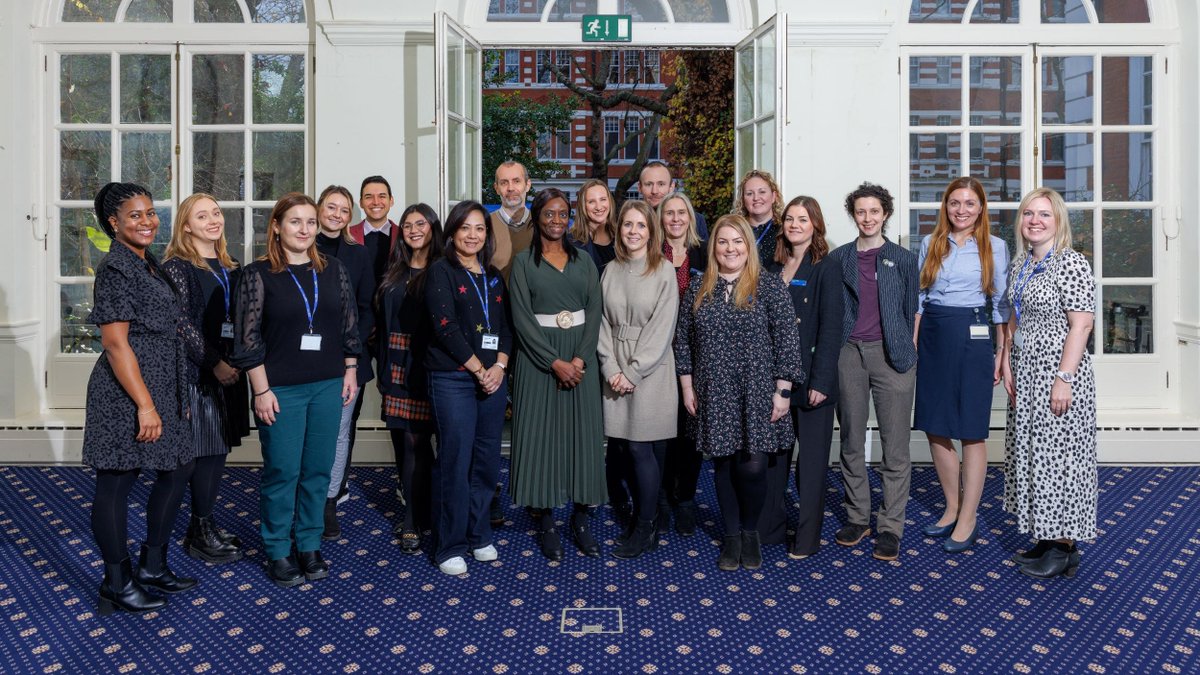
(130,289)
(734,357)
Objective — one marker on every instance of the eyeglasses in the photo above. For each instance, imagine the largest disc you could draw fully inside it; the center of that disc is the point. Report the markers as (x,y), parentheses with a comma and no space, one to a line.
(408,227)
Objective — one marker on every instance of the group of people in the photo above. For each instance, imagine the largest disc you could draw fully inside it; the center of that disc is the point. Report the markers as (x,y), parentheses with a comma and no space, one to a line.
(630,344)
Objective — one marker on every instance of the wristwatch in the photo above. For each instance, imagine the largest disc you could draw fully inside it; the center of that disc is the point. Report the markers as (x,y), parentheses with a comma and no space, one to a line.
(784,393)
(1063,375)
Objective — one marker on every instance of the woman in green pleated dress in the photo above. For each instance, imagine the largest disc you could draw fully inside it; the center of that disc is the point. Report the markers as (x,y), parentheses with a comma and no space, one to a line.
(558,432)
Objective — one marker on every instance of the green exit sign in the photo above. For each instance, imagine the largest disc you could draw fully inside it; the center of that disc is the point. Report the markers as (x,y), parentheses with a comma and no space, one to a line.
(607,27)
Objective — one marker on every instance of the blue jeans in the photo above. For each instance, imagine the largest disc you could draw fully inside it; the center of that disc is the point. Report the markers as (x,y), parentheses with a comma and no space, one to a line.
(469,425)
(297,456)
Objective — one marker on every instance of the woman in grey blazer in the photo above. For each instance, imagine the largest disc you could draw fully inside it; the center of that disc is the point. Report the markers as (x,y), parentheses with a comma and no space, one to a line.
(877,362)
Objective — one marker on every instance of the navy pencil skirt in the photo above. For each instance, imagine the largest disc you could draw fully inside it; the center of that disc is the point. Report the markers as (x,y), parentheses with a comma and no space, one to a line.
(954,374)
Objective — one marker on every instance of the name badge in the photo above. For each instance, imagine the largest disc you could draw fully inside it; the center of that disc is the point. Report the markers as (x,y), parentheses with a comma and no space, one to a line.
(227,330)
(1018,339)
(799,282)
(979,332)
(491,342)
(310,342)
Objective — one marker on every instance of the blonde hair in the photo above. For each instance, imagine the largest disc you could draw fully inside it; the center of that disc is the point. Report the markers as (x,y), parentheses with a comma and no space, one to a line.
(746,286)
(182,246)
(339,190)
(654,254)
(275,253)
(939,242)
(581,230)
(693,236)
(1062,222)
(739,195)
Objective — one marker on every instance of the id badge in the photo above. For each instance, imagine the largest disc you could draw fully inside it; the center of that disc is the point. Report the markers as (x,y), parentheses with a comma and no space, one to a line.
(310,342)
(227,330)
(491,342)
(980,331)
(1018,339)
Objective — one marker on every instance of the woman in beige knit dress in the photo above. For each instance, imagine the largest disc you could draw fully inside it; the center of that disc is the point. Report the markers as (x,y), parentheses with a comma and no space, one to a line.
(641,300)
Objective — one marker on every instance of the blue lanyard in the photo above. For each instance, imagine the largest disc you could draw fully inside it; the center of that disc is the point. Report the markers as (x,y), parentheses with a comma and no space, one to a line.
(483,298)
(224,286)
(311,310)
(766,229)
(1020,283)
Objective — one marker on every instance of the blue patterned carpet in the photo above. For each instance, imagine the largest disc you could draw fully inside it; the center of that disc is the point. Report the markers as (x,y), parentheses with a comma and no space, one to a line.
(1133,608)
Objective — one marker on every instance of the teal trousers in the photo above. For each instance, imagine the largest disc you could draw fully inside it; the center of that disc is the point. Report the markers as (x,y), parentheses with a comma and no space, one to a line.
(298,452)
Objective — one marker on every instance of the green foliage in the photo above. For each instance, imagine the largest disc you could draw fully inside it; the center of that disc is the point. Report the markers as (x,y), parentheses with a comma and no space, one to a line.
(511,126)
(700,136)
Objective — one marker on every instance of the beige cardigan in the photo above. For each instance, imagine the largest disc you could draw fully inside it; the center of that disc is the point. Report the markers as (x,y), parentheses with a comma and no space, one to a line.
(636,330)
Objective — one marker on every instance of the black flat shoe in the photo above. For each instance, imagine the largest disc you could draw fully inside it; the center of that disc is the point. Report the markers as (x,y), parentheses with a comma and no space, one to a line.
(1058,560)
(410,541)
(751,551)
(581,530)
(551,544)
(685,518)
(152,572)
(851,534)
(496,510)
(284,573)
(312,565)
(332,529)
(119,591)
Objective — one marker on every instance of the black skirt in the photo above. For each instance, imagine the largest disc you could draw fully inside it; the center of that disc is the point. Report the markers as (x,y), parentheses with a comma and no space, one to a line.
(207,407)
(954,374)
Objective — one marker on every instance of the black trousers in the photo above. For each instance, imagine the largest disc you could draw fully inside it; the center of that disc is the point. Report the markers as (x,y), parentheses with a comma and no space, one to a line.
(814,433)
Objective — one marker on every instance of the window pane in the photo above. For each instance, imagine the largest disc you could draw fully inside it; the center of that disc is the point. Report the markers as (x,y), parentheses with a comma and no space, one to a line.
(936,11)
(998,166)
(766,73)
(146,88)
(1002,223)
(150,11)
(1069,165)
(86,163)
(279,88)
(218,11)
(997,11)
(163,236)
(278,163)
(455,48)
(643,10)
(1063,11)
(1082,233)
(1128,90)
(933,160)
(766,146)
(92,10)
(85,87)
(1128,319)
(745,150)
(276,11)
(219,164)
(218,93)
(235,231)
(1122,11)
(471,168)
(261,219)
(146,160)
(699,11)
(920,223)
(1067,96)
(745,77)
(77,335)
(82,244)
(565,10)
(454,161)
(935,90)
(1127,171)
(996,95)
(472,85)
(1128,243)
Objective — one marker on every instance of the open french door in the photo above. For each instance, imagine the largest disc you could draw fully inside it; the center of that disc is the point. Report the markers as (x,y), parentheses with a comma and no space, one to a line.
(458,101)
(760,106)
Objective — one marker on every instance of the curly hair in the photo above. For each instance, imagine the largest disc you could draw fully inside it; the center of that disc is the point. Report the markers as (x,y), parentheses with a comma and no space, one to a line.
(868,189)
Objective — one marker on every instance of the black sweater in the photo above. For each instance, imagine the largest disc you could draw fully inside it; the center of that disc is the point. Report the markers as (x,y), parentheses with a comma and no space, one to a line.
(357,261)
(271,318)
(452,300)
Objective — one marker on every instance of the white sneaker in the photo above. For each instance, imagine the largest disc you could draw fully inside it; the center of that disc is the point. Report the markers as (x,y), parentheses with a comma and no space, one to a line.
(486,554)
(454,566)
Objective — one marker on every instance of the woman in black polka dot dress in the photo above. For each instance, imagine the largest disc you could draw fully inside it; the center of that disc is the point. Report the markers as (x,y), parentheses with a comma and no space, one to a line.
(1050,465)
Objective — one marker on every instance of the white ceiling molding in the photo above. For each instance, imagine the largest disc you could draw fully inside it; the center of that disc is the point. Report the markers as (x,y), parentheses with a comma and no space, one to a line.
(362,33)
(838,33)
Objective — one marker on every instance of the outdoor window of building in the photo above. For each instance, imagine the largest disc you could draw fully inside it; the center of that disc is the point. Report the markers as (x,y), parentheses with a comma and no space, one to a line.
(653,73)
(631,133)
(612,134)
(632,66)
(512,65)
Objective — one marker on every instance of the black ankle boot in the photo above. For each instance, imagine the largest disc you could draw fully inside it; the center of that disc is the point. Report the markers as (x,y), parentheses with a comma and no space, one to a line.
(1039,550)
(204,543)
(332,529)
(731,553)
(581,529)
(152,571)
(120,591)
(643,539)
(685,518)
(227,537)
(751,550)
(1060,559)
(548,539)
(662,521)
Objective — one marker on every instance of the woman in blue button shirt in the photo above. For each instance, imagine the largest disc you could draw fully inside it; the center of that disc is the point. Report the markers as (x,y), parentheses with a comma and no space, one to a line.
(964,272)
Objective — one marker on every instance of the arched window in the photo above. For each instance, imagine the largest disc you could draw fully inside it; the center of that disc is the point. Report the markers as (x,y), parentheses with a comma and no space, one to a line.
(1079,110)
(215,100)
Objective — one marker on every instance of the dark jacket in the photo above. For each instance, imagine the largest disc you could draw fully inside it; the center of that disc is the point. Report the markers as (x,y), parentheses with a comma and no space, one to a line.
(899,279)
(357,261)
(816,292)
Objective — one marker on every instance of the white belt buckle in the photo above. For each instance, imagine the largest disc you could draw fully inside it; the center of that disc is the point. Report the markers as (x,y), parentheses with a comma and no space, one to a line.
(564,319)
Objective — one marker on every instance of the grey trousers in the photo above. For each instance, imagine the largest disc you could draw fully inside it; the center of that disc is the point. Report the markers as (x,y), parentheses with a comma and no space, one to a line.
(342,454)
(864,374)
